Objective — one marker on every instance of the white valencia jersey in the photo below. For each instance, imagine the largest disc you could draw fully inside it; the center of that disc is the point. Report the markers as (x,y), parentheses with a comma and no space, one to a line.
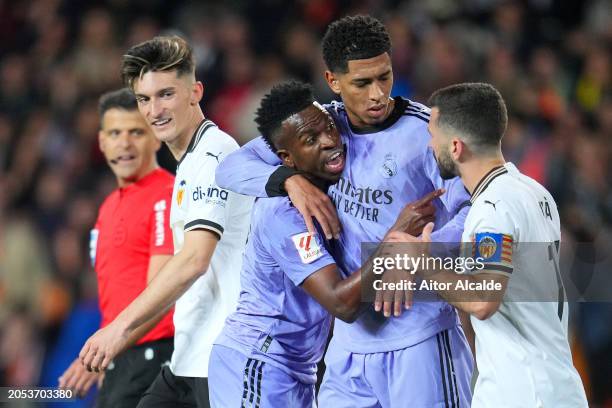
(522,351)
(198,203)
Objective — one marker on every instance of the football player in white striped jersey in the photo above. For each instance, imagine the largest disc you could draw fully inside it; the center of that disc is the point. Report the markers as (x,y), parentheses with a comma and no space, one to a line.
(513,229)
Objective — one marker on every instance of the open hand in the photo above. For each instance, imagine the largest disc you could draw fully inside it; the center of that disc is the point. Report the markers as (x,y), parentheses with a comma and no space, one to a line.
(78,379)
(104,345)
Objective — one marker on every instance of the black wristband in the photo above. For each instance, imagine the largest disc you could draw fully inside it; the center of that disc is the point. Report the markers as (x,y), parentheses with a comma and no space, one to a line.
(275,187)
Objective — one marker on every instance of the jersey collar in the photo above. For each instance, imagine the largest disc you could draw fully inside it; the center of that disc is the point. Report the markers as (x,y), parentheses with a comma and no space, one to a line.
(195,138)
(486,181)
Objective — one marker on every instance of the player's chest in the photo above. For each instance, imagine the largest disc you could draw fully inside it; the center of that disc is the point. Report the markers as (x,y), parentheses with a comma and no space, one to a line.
(379,179)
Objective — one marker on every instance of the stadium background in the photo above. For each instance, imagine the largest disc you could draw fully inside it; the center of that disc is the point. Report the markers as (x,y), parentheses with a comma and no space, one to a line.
(551,59)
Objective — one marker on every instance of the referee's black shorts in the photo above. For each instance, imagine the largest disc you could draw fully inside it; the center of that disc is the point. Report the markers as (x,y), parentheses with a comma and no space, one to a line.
(132,372)
(169,390)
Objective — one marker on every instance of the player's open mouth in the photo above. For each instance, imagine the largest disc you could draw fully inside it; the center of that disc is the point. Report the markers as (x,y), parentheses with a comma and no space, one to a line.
(161,122)
(123,159)
(335,162)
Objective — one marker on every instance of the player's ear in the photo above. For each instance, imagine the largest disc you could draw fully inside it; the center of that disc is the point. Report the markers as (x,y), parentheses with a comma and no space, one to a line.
(332,82)
(286,158)
(101,140)
(457,148)
(197,93)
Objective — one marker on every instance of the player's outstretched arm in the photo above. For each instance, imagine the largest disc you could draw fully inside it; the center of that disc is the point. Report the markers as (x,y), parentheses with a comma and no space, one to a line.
(479,303)
(156,263)
(177,275)
(248,170)
(254,170)
(344,298)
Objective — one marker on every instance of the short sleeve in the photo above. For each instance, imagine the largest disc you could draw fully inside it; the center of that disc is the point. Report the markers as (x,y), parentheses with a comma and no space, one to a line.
(298,253)
(160,234)
(207,203)
(490,238)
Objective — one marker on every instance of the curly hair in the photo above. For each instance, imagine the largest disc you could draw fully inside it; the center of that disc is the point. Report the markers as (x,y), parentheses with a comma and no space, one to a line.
(352,38)
(282,101)
(164,53)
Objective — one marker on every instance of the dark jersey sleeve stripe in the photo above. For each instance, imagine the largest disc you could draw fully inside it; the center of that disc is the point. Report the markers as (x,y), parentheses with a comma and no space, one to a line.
(204,224)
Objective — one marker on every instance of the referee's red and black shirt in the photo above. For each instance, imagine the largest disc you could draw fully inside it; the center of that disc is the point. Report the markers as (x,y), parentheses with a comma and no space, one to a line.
(132,226)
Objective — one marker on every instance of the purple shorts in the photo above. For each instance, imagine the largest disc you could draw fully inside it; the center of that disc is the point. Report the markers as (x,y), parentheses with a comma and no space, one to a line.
(433,373)
(235,380)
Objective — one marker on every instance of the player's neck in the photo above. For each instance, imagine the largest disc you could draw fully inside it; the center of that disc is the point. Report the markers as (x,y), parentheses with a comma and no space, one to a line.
(179,145)
(473,172)
(126,182)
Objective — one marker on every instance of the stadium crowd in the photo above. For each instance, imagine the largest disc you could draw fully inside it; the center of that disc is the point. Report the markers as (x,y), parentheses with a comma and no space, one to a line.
(550,59)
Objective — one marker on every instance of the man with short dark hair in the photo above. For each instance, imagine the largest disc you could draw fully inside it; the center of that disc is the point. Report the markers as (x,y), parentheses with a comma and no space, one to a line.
(210,227)
(523,354)
(290,282)
(421,358)
(130,243)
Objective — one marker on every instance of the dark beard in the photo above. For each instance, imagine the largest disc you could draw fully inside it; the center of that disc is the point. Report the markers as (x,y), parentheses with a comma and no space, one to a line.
(446,166)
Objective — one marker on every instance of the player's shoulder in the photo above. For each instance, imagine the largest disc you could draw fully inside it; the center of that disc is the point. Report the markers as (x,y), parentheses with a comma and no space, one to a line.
(162,185)
(412,120)
(499,194)
(335,107)
(280,208)
(276,215)
(164,175)
(109,200)
(161,179)
(413,112)
(208,147)
(212,139)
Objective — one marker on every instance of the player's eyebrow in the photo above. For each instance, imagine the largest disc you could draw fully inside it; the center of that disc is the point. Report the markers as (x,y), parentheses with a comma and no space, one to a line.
(311,127)
(158,92)
(164,90)
(359,81)
(368,80)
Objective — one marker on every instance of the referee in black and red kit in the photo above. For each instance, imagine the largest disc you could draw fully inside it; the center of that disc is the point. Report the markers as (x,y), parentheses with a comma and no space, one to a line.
(130,243)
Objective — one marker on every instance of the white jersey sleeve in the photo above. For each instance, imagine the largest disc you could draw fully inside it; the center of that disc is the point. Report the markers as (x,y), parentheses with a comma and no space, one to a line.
(207,203)
(490,233)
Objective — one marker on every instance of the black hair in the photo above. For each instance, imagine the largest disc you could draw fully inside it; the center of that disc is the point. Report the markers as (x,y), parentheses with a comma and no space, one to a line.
(282,101)
(353,38)
(122,99)
(164,53)
(476,111)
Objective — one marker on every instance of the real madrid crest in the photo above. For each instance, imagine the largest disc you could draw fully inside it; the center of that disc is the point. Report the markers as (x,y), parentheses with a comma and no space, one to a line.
(389,166)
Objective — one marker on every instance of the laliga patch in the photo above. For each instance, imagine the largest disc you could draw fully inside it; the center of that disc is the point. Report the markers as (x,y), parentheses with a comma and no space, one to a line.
(493,247)
(307,246)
